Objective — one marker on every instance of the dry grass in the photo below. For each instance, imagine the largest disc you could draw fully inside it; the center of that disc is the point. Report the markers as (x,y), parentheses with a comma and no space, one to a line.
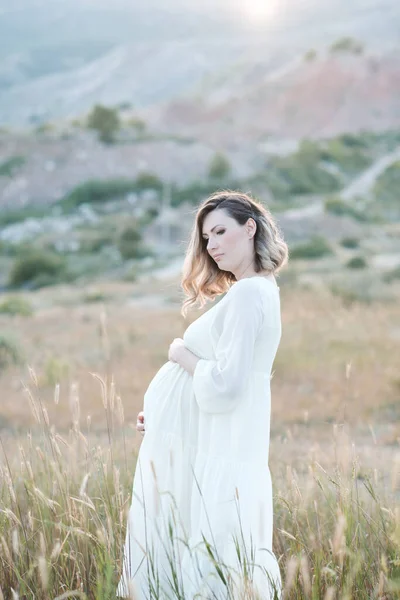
(68,454)
(65,497)
(336,363)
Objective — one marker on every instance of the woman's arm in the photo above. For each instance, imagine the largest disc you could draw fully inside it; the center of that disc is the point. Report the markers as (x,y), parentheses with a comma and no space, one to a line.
(219,384)
(188,360)
(180,354)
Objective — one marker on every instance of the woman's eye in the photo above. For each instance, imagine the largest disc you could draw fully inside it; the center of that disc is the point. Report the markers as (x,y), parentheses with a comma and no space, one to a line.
(218,233)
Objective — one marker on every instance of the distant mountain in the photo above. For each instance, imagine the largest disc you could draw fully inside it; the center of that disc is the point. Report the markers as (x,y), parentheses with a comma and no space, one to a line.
(319,95)
(59,58)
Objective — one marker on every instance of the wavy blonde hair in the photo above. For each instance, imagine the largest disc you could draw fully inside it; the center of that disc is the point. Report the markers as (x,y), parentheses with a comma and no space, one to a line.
(202,280)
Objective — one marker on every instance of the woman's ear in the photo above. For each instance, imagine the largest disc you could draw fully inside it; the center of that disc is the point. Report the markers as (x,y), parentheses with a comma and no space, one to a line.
(251,228)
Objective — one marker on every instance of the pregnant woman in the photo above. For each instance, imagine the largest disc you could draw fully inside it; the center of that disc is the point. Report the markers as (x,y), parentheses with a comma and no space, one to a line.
(201,520)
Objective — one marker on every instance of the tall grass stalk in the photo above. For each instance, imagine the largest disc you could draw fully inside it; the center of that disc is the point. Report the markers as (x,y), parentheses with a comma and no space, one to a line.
(64,501)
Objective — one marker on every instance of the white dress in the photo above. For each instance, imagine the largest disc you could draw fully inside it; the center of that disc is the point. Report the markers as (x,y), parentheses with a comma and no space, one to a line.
(202,473)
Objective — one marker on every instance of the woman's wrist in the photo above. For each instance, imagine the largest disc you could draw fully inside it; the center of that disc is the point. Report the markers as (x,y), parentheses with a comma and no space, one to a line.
(188,360)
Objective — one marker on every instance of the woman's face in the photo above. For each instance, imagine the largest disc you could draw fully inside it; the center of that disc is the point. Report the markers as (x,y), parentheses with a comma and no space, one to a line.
(228,243)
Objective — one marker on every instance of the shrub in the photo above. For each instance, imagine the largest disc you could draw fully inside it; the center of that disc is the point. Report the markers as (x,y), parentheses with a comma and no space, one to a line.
(347,44)
(386,192)
(9,166)
(337,206)
(6,248)
(94,241)
(219,168)
(105,121)
(316,247)
(301,172)
(97,191)
(130,243)
(392,275)
(348,155)
(351,140)
(310,55)
(356,262)
(8,217)
(148,181)
(38,269)
(10,353)
(349,242)
(15,305)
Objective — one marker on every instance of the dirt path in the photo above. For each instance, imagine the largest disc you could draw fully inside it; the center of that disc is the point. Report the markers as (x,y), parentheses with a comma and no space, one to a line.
(359,186)
(362,184)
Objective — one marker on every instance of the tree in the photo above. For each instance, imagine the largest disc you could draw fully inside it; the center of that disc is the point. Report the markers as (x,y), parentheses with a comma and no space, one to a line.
(105,121)
(219,167)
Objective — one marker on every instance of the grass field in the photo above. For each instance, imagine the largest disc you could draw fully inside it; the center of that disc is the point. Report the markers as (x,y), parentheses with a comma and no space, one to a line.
(68,442)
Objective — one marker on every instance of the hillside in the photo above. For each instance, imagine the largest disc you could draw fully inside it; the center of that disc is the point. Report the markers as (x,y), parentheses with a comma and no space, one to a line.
(317,95)
(301,109)
(57,62)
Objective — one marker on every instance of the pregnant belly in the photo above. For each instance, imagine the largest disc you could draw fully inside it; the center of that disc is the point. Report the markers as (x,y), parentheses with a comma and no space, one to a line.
(168,407)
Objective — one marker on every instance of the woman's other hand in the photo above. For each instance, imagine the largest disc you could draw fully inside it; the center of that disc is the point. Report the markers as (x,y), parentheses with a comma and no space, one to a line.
(140,423)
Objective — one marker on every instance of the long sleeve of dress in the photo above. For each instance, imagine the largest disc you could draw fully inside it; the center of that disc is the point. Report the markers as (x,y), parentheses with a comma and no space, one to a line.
(219,384)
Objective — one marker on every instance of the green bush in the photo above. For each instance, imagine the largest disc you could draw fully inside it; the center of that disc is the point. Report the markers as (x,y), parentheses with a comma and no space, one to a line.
(310,55)
(316,247)
(352,140)
(337,206)
(148,181)
(347,44)
(356,262)
(105,121)
(97,191)
(10,353)
(8,217)
(6,249)
(219,168)
(349,159)
(392,275)
(37,269)
(130,243)
(9,166)
(349,242)
(387,192)
(15,305)
(301,173)
(94,241)
(348,155)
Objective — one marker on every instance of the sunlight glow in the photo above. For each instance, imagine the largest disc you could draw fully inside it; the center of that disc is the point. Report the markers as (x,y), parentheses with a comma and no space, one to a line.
(260,10)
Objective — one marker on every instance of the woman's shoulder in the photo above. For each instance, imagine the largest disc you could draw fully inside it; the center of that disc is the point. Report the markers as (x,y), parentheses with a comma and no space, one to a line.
(249,287)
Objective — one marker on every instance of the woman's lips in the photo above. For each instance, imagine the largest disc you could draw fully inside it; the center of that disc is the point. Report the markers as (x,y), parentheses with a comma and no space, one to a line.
(217,256)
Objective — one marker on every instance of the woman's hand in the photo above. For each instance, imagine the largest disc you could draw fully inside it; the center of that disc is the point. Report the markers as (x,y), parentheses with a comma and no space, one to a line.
(176,350)
(183,356)
(140,423)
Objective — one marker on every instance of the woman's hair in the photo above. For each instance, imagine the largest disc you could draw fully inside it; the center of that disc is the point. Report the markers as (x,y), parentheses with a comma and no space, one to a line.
(202,280)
